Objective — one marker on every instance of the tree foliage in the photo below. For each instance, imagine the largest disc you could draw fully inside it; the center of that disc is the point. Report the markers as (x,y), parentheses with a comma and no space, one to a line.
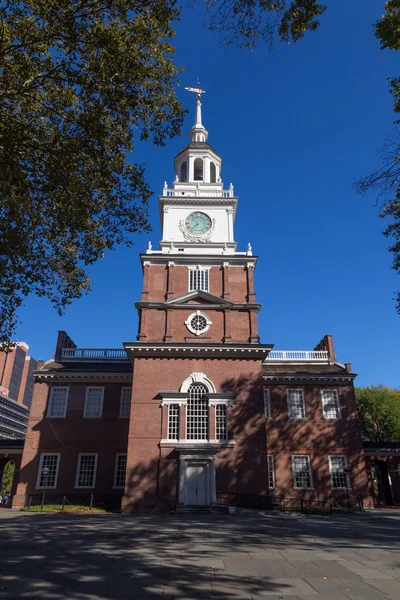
(81,81)
(379,411)
(8,476)
(247,22)
(385,181)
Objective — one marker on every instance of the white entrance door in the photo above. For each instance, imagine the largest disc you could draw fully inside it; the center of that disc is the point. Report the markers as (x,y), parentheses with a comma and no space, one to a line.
(196,485)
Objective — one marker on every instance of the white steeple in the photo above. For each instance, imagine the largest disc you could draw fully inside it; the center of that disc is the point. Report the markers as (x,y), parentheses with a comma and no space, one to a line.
(197,213)
(198,133)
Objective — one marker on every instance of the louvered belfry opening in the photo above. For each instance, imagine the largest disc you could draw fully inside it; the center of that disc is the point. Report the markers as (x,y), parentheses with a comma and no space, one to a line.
(197,412)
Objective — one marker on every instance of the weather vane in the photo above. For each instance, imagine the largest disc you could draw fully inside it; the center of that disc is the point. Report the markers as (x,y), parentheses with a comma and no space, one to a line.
(198,91)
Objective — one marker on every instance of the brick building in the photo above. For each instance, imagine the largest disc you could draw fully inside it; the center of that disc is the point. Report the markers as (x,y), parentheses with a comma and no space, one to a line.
(196,405)
(16,390)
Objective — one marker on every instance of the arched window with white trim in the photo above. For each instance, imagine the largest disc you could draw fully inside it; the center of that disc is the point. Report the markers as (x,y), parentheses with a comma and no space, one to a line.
(198,169)
(197,412)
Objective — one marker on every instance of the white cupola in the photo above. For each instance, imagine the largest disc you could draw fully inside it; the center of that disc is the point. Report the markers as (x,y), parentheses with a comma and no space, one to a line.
(198,163)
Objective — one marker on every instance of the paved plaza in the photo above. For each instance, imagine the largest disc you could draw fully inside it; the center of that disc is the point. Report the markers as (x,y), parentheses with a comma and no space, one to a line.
(291,557)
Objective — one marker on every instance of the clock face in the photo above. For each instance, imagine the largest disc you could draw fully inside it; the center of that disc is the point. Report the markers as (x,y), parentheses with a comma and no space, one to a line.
(198,223)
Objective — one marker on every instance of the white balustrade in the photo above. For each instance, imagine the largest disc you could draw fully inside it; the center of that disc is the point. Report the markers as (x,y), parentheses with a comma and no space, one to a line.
(198,193)
(298,355)
(95,353)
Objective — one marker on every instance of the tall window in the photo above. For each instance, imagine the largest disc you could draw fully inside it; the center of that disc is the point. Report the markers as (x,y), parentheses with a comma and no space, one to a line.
(198,279)
(301,472)
(197,413)
(267,404)
(94,402)
(213,175)
(86,471)
(296,408)
(220,422)
(120,471)
(339,476)
(58,402)
(173,422)
(271,471)
(184,171)
(125,403)
(198,169)
(330,404)
(51,462)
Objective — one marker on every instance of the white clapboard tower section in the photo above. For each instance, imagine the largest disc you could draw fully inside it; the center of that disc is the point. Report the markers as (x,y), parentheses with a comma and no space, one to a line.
(197,214)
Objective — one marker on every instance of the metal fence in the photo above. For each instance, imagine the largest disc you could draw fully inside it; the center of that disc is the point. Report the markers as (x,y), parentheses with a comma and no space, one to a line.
(287,503)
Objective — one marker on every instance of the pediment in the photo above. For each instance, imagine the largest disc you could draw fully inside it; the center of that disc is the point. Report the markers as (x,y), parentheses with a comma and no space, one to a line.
(199,297)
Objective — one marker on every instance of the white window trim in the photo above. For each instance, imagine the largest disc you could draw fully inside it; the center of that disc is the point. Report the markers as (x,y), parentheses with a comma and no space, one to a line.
(120,402)
(198,268)
(93,387)
(201,314)
(115,486)
(347,474)
(271,456)
(48,487)
(338,404)
(267,404)
(50,403)
(78,466)
(311,473)
(288,404)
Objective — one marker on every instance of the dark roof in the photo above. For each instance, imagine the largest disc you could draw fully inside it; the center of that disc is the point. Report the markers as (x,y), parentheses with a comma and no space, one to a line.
(198,145)
(87,367)
(304,369)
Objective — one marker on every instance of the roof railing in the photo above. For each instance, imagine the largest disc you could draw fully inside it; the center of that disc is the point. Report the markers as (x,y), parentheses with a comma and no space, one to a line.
(298,355)
(95,353)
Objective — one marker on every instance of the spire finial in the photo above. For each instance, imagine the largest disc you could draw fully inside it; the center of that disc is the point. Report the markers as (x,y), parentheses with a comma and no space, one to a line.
(198,125)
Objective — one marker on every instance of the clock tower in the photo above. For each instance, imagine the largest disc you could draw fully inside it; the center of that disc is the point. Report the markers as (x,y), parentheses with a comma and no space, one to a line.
(196,421)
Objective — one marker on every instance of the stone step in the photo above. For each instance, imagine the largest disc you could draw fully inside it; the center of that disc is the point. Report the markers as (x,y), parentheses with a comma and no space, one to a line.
(199,510)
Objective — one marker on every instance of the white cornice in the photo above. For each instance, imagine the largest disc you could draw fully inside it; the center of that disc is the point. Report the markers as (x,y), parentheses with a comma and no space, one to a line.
(106,377)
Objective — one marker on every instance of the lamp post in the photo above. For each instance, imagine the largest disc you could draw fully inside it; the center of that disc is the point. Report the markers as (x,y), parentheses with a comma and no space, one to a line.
(346,471)
(45,474)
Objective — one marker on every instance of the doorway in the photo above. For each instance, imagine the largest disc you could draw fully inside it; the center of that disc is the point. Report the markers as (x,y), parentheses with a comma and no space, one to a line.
(196,485)
(383,490)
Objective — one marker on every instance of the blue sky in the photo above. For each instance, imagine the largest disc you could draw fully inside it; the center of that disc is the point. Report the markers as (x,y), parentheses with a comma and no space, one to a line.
(295,128)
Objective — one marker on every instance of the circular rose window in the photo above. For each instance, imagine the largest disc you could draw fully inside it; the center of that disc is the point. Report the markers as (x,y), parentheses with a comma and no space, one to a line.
(198,323)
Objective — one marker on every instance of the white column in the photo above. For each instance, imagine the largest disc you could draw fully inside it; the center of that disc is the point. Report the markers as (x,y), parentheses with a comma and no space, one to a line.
(191,168)
(206,169)
(230,224)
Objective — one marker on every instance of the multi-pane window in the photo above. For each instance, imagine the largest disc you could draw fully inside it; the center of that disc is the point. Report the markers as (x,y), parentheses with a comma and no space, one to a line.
(271,471)
(198,279)
(267,404)
(330,404)
(197,412)
(173,422)
(48,478)
(339,475)
(94,402)
(120,471)
(220,422)
(58,402)
(301,472)
(86,471)
(125,404)
(296,407)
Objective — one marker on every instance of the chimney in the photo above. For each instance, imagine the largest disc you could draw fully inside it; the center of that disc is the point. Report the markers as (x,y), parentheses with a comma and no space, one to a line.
(327,344)
(63,341)
(348,367)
